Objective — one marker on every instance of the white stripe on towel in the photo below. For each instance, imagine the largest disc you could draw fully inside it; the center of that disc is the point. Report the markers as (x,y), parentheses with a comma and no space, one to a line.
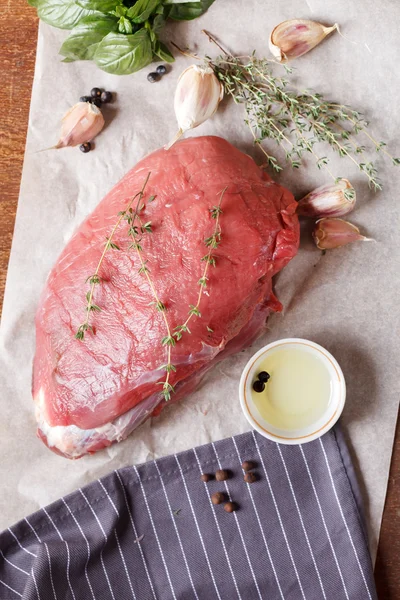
(135,533)
(279,516)
(259,524)
(176,531)
(324,522)
(219,530)
(155,533)
(344,519)
(198,529)
(239,529)
(301,520)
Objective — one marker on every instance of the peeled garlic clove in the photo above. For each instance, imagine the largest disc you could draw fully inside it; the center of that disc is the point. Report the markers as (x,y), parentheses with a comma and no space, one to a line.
(80,124)
(333,233)
(295,37)
(329,200)
(197,98)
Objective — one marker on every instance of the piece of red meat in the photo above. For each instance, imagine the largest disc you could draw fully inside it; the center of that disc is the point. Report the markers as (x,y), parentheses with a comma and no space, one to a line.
(89,393)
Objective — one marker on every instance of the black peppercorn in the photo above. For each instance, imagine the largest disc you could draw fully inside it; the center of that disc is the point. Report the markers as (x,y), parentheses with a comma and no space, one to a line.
(264,376)
(161,69)
(85,99)
(86,147)
(258,386)
(96,102)
(218,498)
(248,465)
(153,77)
(250,477)
(221,475)
(95,92)
(106,97)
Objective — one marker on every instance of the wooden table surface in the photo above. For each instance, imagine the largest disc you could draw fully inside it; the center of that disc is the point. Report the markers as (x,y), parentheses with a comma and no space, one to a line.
(18,35)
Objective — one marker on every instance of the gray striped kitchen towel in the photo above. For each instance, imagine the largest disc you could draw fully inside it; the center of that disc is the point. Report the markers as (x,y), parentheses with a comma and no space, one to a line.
(151,532)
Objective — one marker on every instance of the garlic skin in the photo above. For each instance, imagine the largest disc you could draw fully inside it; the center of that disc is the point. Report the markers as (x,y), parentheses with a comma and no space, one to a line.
(333,233)
(197,98)
(329,200)
(80,124)
(293,38)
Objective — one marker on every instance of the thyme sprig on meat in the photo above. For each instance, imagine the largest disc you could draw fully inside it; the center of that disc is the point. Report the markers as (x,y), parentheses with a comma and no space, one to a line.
(167,341)
(95,279)
(175,335)
(137,229)
(297,120)
(172,337)
(210,259)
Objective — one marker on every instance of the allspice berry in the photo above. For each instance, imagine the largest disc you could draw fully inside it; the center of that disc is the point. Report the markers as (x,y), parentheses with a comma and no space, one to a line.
(250,477)
(206,477)
(218,498)
(248,465)
(230,507)
(221,475)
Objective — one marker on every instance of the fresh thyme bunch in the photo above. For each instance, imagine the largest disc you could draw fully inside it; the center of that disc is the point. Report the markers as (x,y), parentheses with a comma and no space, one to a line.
(297,120)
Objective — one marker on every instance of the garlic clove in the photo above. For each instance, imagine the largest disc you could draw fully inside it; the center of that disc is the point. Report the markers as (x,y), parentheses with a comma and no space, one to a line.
(333,233)
(295,37)
(329,200)
(197,97)
(80,124)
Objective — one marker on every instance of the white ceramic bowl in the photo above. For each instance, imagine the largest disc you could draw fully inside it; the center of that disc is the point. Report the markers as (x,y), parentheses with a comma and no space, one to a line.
(316,429)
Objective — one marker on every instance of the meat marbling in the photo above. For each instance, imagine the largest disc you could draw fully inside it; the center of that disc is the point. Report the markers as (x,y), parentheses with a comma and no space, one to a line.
(91,393)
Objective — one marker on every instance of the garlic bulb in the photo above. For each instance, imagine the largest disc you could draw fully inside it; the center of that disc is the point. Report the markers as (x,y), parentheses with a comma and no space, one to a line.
(333,233)
(197,97)
(329,200)
(80,124)
(294,38)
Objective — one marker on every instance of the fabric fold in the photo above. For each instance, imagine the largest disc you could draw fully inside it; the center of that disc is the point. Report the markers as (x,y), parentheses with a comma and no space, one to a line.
(152,532)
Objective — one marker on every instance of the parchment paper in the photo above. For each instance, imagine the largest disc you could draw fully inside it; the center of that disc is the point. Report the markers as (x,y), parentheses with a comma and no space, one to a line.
(346,300)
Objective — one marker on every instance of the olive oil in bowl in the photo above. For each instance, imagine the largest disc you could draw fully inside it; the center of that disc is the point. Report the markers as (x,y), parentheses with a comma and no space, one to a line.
(303,396)
(299,390)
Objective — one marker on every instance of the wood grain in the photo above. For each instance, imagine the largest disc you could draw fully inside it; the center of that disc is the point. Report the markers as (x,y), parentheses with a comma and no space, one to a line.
(387,568)
(18,35)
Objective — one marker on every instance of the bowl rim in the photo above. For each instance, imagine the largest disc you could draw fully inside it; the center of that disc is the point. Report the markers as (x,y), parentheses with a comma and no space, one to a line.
(307,437)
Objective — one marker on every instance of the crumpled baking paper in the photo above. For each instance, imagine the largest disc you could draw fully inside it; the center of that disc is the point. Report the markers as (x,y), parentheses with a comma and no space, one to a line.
(347,300)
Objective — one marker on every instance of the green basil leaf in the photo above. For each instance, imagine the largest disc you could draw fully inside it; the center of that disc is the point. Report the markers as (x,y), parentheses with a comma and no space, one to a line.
(82,43)
(124,25)
(162,52)
(188,10)
(34,3)
(124,54)
(120,11)
(152,34)
(64,14)
(103,6)
(158,23)
(142,10)
(98,21)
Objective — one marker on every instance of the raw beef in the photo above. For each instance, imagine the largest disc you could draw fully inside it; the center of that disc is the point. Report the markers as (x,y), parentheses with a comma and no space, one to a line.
(90,393)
